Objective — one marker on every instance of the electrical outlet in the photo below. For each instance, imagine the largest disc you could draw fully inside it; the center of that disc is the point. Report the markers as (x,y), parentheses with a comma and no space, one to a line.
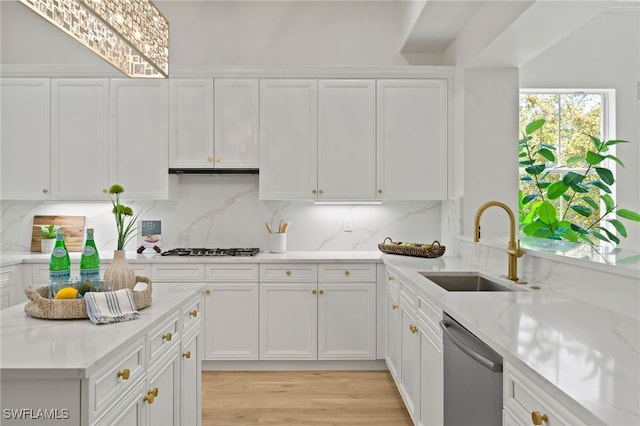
(348,224)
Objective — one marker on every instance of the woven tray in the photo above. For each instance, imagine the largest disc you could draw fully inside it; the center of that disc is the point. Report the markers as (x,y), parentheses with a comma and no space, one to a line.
(40,306)
(434,250)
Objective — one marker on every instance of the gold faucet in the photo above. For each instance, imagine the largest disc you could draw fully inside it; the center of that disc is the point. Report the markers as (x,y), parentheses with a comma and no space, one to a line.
(513,250)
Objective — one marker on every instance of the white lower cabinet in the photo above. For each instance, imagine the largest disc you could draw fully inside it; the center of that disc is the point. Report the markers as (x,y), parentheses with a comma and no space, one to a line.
(191,380)
(410,361)
(324,312)
(431,390)
(130,410)
(163,390)
(11,286)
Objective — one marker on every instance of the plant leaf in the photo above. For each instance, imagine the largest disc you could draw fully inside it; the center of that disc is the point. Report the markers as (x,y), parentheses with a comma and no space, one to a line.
(543,185)
(534,125)
(616,159)
(606,175)
(611,235)
(628,214)
(599,236)
(524,163)
(546,145)
(572,178)
(600,185)
(596,142)
(556,190)
(591,202)
(609,203)
(527,199)
(575,159)
(580,188)
(525,178)
(535,170)
(622,230)
(547,154)
(581,210)
(547,213)
(593,158)
(579,229)
(615,141)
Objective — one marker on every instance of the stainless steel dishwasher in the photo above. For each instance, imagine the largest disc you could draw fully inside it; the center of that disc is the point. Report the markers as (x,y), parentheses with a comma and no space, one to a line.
(472,378)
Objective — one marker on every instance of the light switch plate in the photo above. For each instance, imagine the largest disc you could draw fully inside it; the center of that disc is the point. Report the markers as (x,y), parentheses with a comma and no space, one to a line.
(348,224)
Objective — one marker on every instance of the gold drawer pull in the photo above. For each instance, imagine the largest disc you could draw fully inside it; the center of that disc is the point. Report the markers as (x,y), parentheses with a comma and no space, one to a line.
(413,328)
(394,306)
(44,191)
(209,159)
(346,273)
(166,337)
(193,313)
(207,292)
(390,278)
(288,273)
(314,291)
(124,374)
(321,292)
(379,191)
(154,392)
(313,191)
(149,398)
(538,418)
(321,191)
(217,159)
(186,355)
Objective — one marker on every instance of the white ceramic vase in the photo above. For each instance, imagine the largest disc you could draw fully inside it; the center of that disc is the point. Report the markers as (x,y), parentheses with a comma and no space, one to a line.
(120,272)
(47,244)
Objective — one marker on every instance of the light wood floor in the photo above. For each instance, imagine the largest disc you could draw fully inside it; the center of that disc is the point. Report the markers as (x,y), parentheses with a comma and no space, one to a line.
(301,398)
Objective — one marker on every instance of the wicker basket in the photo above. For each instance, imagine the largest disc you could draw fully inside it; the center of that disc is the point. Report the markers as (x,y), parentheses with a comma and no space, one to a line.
(434,250)
(40,306)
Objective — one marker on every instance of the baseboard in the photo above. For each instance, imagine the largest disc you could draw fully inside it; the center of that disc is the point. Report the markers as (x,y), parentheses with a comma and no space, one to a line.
(373,365)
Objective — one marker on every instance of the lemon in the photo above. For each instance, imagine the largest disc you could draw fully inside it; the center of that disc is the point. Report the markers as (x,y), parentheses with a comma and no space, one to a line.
(67,293)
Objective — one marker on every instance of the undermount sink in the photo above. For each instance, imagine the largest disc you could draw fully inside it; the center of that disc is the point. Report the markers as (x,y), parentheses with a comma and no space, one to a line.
(464,281)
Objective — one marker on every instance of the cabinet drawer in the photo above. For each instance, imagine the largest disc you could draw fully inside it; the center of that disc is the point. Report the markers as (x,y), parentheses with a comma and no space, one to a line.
(430,315)
(116,378)
(392,281)
(523,397)
(191,314)
(408,292)
(232,272)
(177,273)
(163,337)
(346,272)
(39,273)
(299,272)
(6,275)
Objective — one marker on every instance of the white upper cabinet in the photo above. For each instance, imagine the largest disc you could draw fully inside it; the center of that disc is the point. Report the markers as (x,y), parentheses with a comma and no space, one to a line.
(191,123)
(140,137)
(288,139)
(79,138)
(412,139)
(25,116)
(236,113)
(346,140)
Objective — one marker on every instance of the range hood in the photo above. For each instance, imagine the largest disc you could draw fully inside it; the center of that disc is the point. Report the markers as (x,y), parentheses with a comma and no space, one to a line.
(212,171)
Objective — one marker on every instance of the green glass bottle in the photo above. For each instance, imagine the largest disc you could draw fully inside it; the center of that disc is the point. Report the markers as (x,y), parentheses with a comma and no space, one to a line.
(60,264)
(89,264)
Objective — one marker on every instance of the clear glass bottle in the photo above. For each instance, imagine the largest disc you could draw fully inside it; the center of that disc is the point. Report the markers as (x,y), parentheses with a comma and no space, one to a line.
(59,264)
(89,264)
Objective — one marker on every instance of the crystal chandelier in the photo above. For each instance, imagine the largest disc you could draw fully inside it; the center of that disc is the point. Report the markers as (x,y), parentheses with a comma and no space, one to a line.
(132,35)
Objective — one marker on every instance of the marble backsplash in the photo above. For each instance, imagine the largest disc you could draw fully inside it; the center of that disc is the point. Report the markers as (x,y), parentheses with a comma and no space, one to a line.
(224,211)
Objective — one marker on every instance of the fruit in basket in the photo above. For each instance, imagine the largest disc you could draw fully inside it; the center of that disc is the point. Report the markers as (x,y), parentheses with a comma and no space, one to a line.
(67,293)
(426,246)
(410,245)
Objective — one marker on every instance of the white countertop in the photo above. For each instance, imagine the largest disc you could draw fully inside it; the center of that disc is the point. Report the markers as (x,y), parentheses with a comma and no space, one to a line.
(591,355)
(39,348)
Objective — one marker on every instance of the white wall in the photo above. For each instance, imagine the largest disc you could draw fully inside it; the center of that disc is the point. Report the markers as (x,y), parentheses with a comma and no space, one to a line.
(605,53)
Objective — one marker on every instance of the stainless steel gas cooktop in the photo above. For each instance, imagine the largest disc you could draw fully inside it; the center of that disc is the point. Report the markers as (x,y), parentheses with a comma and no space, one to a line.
(211,252)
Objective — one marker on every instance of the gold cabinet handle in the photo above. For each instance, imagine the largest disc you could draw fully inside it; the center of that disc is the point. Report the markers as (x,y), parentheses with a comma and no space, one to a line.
(413,328)
(390,278)
(149,398)
(105,190)
(314,291)
(195,313)
(207,292)
(379,191)
(321,191)
(209,159)
(288,273)
(538,418)
(154,392)
(217,159)
(346,273)
(313,191)
(394,306)
(187,354)
(124,374)
(321,292)
(44,191)
(166,337)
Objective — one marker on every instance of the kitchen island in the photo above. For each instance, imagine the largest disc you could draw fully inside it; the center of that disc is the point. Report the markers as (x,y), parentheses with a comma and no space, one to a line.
(72,372)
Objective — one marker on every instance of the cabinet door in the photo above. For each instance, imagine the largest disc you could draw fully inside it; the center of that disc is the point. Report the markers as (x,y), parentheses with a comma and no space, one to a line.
(190,376)
(412,139)
(346,321)
(392,355)
(80,156)
(130,411)
(191,123)
(25,130)
(288,139)
(140,137)
(288,321)
(410,362)
(431,386)
(231,321)
(164,380)
(346,140)
(236,123)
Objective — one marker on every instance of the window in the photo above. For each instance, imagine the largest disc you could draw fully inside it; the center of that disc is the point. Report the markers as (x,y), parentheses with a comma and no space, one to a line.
(571,118)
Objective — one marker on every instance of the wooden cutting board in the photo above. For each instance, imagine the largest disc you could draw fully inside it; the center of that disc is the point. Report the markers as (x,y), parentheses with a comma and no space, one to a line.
(73,231)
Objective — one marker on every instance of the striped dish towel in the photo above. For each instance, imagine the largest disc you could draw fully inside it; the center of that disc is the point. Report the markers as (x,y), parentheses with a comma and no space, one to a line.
(111,306)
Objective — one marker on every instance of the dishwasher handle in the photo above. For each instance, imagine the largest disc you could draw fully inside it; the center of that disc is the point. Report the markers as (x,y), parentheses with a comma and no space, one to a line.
(448,328)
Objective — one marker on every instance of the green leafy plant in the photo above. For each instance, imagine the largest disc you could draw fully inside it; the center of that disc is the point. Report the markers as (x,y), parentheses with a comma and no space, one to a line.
(125,219)
(540,217)
(48,232)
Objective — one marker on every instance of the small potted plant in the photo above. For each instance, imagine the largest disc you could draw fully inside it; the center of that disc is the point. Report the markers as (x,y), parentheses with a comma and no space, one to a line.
(48,238)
